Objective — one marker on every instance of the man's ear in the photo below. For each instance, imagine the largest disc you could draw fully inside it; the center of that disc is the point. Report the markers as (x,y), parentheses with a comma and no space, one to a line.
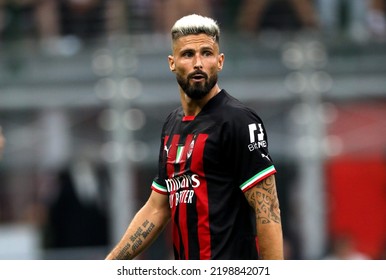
(221,61)
(172,65)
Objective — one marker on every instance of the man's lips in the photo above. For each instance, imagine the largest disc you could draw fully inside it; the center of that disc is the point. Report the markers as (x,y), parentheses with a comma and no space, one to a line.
(197,76)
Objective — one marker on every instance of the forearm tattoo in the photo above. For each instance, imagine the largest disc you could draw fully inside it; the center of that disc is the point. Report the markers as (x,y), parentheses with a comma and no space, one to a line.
(263,198)
(135,241)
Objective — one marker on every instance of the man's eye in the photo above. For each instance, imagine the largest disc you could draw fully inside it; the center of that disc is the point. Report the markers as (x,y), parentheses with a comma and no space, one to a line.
(187,54)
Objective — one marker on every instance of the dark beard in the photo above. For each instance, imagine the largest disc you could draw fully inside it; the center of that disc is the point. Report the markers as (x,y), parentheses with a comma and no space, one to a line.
(197,91)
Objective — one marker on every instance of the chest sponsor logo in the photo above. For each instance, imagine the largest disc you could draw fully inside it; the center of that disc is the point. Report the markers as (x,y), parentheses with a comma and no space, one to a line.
(256,137)
(181,189)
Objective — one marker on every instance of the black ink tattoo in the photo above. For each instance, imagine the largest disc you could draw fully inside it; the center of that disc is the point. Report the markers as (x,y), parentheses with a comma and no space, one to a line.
(263,198)
(136,240)
(124,253)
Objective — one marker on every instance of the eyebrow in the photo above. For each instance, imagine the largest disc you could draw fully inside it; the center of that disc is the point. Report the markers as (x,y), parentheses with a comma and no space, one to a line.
(204,48)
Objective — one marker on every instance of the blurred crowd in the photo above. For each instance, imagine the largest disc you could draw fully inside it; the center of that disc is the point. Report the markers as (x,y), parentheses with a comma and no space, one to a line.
(50,20)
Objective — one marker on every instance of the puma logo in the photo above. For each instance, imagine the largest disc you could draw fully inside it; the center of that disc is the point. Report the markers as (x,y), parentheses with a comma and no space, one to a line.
(167,150)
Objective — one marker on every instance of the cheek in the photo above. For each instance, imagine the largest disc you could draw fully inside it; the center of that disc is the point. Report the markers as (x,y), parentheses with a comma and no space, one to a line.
(213,69)
(181,70)
(213,65)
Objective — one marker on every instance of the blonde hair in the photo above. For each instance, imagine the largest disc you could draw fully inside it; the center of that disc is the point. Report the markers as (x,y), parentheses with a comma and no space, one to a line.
(195,24)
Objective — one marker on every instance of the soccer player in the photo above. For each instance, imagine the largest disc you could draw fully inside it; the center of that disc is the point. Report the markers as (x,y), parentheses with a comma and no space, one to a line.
(216,178)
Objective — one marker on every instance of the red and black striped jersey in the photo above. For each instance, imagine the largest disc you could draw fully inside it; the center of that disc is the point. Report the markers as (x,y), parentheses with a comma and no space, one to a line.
(206,163)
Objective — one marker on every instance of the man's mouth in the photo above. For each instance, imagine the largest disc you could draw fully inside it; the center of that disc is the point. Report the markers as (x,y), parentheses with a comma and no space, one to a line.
(198,77)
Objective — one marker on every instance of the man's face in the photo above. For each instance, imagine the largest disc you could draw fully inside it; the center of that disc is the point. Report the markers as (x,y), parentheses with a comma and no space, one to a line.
(196,61)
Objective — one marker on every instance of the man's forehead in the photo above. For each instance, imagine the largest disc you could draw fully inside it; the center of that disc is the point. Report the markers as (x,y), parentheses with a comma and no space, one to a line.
(194,40)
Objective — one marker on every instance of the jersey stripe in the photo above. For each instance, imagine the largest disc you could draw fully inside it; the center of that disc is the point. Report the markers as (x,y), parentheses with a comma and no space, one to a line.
(257,178)
(183,224)
(182,211)
(170,169)
(184,156)
(202,204)
(171,158)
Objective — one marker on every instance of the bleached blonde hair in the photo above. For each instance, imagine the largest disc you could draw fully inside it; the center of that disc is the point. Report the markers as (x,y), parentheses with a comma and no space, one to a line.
(195,24)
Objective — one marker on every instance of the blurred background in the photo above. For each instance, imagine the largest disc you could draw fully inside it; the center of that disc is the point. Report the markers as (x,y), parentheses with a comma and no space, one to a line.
(85,87)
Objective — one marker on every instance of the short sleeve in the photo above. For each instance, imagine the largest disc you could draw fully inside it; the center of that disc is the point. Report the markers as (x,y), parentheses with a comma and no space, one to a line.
(248,149)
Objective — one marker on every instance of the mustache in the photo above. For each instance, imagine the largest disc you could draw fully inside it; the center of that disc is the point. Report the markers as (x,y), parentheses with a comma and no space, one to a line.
(198,72)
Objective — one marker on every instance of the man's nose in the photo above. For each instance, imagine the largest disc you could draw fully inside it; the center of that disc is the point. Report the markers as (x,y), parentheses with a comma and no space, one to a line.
(197,61)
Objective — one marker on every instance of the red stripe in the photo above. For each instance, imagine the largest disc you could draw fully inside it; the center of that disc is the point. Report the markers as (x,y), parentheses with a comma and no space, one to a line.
(171,156)
(182,212)
(201,192)
(183,224)
(183,160)
(166,139)
(188,118)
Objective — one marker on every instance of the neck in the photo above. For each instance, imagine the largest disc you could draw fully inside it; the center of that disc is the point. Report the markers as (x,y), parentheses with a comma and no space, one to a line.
(192,107)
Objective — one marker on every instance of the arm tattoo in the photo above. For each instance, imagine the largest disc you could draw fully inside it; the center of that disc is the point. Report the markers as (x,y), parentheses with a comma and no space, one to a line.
(263,199)
(124,253)
(135,241)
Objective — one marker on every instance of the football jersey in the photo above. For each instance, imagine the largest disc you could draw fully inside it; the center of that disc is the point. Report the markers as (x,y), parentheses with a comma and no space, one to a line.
(206,163)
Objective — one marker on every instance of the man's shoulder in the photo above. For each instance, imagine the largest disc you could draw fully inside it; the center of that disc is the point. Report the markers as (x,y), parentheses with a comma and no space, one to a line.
(235,109)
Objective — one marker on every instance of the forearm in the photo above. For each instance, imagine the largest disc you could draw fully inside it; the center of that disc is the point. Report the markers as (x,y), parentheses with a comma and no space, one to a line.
(142,231)
(270,241)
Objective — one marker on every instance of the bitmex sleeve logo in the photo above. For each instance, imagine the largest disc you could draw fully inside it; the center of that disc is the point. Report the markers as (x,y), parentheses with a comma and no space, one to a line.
(256,130)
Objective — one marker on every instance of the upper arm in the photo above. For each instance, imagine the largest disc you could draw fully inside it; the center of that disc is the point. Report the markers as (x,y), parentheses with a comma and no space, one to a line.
(158,204)
(264,200)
